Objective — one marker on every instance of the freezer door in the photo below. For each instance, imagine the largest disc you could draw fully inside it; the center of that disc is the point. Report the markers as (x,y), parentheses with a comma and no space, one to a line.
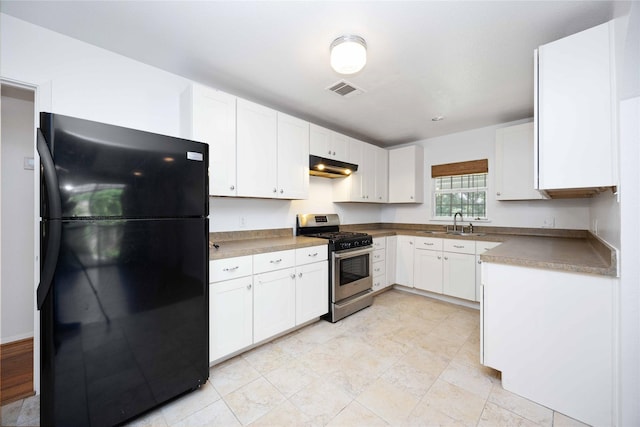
(110,171)
(125,324)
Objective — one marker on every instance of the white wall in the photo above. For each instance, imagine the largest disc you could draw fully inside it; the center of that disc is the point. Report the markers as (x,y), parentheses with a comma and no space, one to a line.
(480,144)
(17,219)
(229,214)
(90,82)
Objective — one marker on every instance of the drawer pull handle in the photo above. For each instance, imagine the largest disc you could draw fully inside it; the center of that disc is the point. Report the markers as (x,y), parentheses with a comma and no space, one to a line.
(458,246)
(275,261)
(429,244)
(231,268)
(439,257)
(313,254)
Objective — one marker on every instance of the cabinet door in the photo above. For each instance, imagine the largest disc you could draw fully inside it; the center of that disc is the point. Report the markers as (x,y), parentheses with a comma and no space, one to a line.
(369,172)
(319,141)
(381,176)
(312,291)
(427,270)
(293,157)
(230,316)
(404,261)
(574,114)
(274,303)
(406,175)
(213,121)
(339,146)
(514,163)
(481,247)
(257,150)
(459,279)
(356,180)
(391,256)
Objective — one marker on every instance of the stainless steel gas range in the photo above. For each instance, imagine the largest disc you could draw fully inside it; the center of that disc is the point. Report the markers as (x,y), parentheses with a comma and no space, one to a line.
(350,263)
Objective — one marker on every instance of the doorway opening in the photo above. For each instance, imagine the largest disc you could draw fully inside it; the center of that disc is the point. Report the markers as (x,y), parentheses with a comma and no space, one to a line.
(17,229)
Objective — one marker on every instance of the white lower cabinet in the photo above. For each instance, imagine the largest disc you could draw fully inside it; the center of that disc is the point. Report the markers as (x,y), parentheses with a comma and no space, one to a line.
(404,261)
(481,247)
(312,291)
(427,270)
(245,307)
(390,259)
(379,263)
(274,303)
(459,275)
(230,316)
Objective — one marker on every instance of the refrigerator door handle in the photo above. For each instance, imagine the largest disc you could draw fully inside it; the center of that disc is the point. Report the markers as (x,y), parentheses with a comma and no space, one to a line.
(50,259)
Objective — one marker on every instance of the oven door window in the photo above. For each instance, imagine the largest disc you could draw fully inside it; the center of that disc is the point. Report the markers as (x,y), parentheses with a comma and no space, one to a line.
(353,269)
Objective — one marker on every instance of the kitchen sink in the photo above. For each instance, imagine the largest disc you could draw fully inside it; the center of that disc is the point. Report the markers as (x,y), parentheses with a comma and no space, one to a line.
(432,232)
(453,233)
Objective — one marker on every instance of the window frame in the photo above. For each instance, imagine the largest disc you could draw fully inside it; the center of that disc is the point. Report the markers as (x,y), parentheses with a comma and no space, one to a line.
(435,192)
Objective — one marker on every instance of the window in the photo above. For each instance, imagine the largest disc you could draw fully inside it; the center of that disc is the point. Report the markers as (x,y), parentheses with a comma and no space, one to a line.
(466,194)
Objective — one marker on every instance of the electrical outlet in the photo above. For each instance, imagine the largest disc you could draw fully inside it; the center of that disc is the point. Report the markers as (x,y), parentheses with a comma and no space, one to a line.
(549,222)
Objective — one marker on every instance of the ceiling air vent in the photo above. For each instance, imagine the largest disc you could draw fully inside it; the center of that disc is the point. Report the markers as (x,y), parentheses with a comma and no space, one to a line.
(344,88)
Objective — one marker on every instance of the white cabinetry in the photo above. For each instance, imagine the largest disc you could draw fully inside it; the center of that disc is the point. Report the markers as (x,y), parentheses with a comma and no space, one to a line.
(481,247)
(459,275)
(257,150)
(514,163)
(379,263)
(209,116)
(404,261)
(381,175)
(274,303)
(391,257)
(406,174)
(293,157)
(312,289)
(427,268)
(575,111)
(364,185)
(273,156)
(551,334)
(327,143)
(230,306)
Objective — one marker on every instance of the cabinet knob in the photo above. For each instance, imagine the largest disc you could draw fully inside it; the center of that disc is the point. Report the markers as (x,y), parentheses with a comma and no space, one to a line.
(411,197)
(379,197)
(249,286)
(334,153)
(498,193)
(293,276)
(329,152)
(479,262)
(411,243)
(446,258)
(299,274)
(233,187)
(281,191)
(275,190)
(439,257)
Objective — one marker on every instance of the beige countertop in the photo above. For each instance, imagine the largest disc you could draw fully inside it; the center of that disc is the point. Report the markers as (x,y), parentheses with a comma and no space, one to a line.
(570,250)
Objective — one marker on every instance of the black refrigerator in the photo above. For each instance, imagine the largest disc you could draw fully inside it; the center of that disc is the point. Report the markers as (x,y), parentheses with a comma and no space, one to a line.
(123,293)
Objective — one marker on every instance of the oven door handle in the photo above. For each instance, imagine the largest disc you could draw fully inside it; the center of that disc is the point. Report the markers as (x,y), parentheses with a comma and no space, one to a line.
(352,253)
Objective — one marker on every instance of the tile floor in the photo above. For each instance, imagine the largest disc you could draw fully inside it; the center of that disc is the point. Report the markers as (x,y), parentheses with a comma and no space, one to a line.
(405,361)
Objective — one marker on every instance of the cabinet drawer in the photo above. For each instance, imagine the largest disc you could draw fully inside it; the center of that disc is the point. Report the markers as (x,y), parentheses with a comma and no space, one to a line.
(482,247)
(311,254)
(379,243)
(379,268)
(273,261)
(230,268)
(460,246)
(378,255)
(429,243)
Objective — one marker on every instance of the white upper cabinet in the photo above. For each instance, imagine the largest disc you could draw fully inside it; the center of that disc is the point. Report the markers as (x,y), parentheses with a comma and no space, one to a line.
(327,143)
(406,174)
(381,175)
(273,153)
(514,163)
(209,116)
(574,111)
(257,150)
(293,157)
(363,185)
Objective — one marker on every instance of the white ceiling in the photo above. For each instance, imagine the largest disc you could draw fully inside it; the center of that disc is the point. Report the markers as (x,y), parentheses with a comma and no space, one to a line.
(470,61)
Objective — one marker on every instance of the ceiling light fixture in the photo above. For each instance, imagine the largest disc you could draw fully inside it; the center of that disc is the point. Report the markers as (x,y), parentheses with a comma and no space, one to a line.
(348,54)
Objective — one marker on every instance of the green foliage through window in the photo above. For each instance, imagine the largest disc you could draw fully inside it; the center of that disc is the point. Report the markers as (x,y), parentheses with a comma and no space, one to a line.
(466,194)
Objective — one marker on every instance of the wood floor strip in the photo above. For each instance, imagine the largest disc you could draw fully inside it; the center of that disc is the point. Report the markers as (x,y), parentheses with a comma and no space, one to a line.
(16,370)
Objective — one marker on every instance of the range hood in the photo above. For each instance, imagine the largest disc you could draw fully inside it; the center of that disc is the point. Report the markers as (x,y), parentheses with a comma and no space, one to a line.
(330,168)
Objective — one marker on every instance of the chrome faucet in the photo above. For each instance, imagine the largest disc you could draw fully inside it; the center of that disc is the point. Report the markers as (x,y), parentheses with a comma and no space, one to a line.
(455,223)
